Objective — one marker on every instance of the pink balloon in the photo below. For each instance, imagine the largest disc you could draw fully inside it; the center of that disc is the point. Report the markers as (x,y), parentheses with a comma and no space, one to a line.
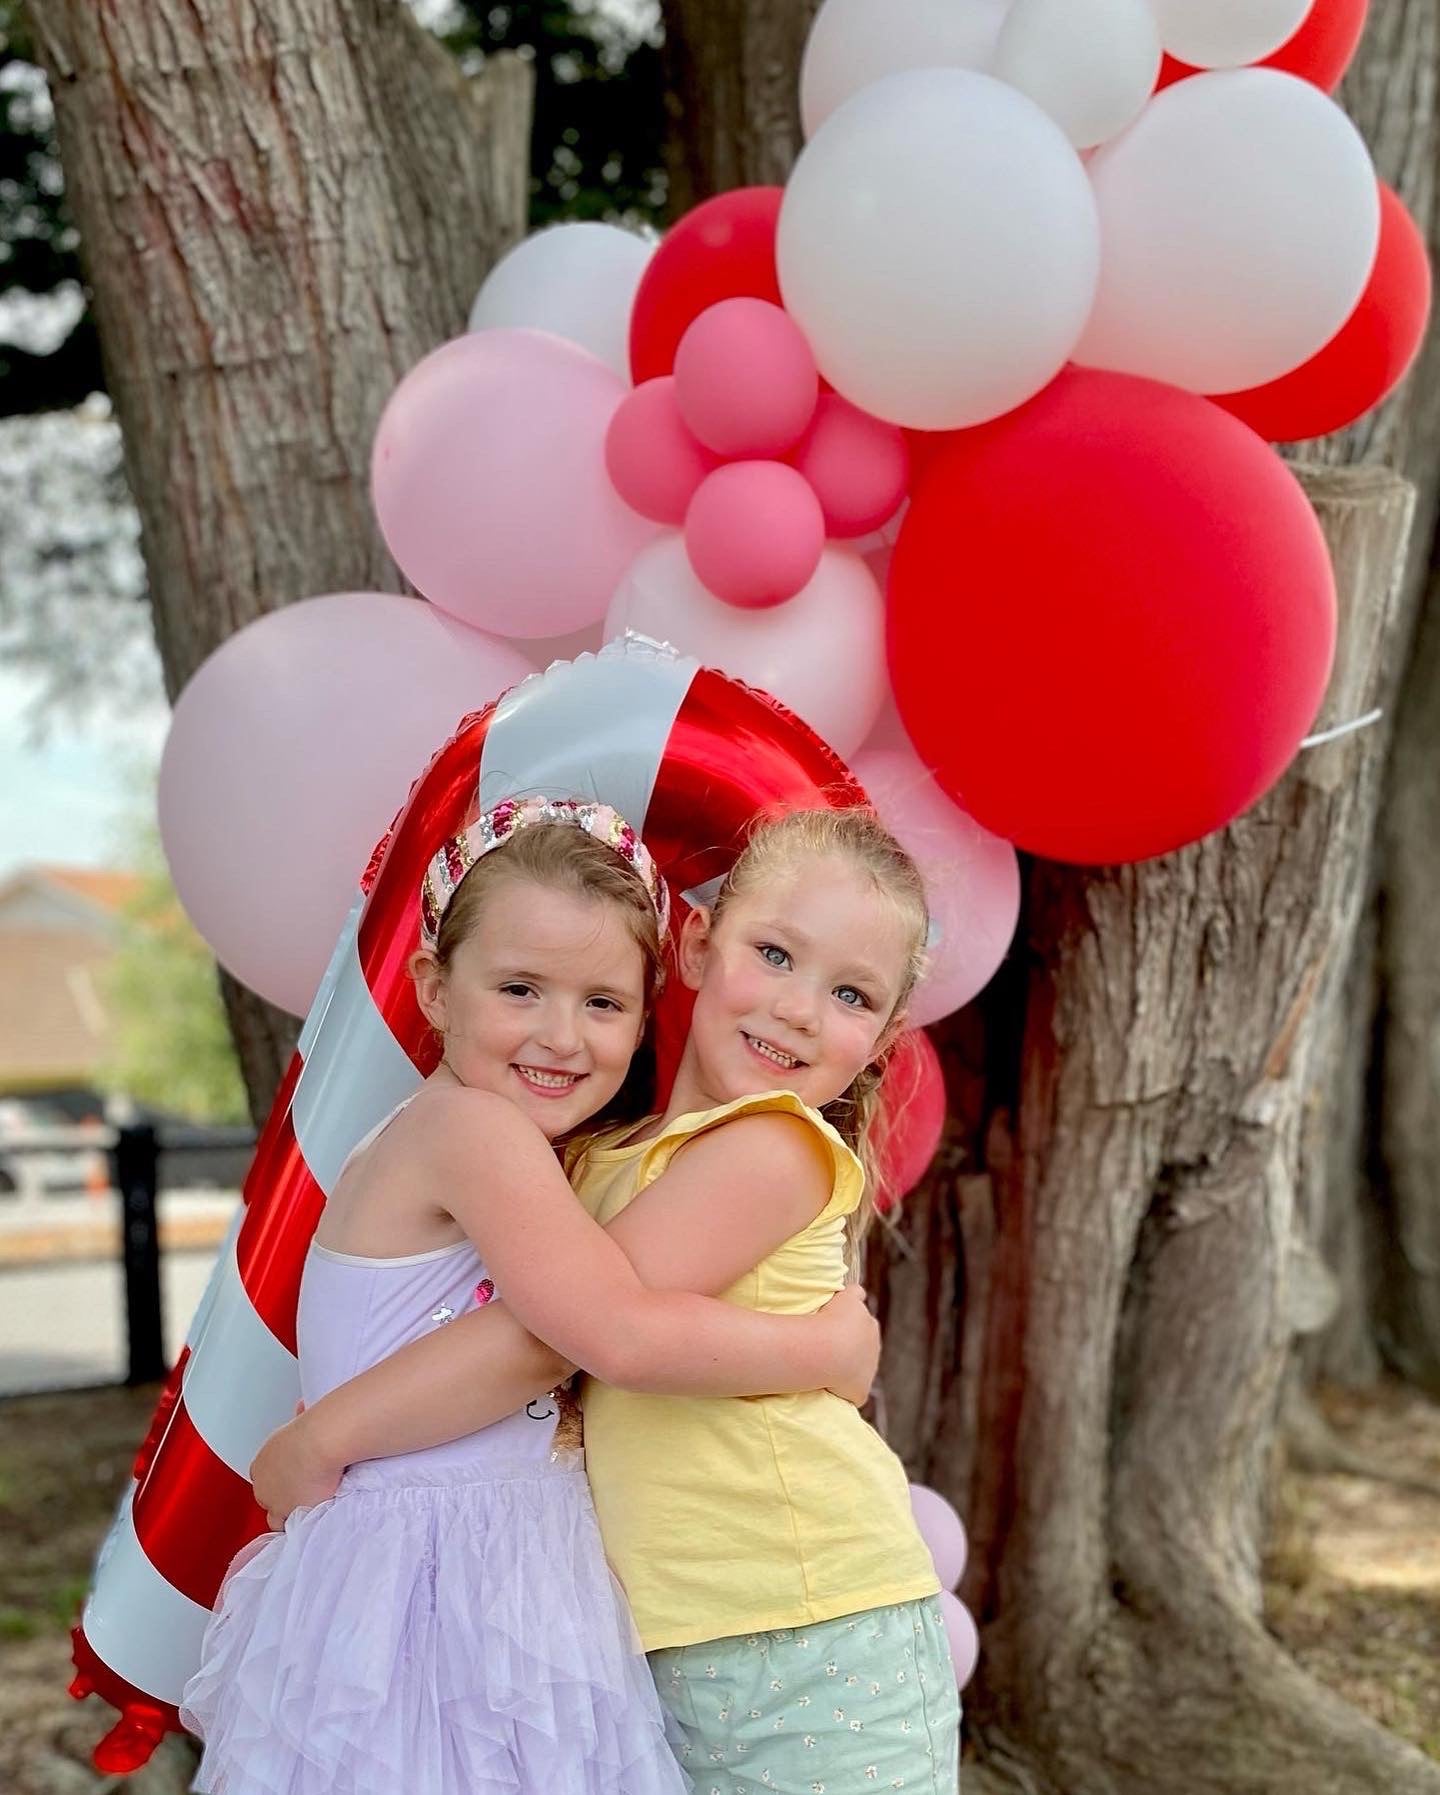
(565,648)
(654,461)
(972,879)
(489,482)
(822,654)
(745,379)
(942,1531)
(912,1111)
(889,731)
(963,1635)
(859,466)
(289,753)
(754,533)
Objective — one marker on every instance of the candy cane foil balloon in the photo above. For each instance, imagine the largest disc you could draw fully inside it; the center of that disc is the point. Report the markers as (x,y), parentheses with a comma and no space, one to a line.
(689,757)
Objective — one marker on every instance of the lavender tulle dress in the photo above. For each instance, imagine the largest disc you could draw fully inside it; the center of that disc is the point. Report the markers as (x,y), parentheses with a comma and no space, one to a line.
(447,1623)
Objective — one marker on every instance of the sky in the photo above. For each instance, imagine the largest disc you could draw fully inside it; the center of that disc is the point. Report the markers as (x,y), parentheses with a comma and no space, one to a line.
(70,798)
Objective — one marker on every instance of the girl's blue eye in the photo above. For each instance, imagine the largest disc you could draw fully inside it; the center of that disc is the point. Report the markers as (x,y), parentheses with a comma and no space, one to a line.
(516,990)
(854,999)
(606,1003)
(772,955)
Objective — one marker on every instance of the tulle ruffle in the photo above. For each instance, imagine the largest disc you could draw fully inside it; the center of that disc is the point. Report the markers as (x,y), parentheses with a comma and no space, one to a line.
(445,1637)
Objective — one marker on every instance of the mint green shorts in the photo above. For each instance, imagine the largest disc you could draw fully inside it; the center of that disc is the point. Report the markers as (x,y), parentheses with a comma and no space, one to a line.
(838,1708)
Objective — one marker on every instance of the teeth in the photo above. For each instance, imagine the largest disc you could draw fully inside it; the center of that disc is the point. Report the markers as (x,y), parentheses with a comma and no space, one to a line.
(553,1081)
(782,1060)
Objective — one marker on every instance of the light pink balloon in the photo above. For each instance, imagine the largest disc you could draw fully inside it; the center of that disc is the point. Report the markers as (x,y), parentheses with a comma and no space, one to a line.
(654,461)
(745,379)
(859,466)
(754,533)
(289,753)
(972,879)
(942,1531)
(889,731)
(964,1637)
(565,648)
(822,654)
(489,482)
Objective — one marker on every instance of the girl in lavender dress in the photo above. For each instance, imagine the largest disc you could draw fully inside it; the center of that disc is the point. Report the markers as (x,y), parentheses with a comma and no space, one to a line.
(447,1624)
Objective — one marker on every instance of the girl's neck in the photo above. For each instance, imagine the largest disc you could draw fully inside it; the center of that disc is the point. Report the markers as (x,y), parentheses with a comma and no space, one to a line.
(690,1092)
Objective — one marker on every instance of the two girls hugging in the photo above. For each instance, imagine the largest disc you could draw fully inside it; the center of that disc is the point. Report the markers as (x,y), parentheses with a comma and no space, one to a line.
(448,1609)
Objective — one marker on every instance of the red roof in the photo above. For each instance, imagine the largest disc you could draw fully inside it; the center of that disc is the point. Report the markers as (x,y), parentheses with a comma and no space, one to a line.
(111,890)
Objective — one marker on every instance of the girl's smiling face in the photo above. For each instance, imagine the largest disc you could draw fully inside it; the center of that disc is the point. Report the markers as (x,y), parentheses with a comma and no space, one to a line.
(543,1002)
(796,986)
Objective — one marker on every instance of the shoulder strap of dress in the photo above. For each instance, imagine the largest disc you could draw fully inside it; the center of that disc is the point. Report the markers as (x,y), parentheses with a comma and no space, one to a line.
(369,1138)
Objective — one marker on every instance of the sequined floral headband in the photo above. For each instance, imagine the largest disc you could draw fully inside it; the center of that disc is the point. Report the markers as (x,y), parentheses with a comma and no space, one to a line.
(494,829)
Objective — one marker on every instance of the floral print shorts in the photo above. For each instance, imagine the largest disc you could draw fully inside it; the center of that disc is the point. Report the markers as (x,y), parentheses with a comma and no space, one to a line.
(842,1707)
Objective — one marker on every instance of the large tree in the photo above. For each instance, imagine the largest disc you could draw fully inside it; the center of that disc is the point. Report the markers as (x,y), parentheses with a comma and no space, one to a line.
(282,207)
(1092,1303)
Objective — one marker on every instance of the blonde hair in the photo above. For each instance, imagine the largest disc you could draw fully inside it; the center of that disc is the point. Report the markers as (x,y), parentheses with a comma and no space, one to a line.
(562,858)
(775,845)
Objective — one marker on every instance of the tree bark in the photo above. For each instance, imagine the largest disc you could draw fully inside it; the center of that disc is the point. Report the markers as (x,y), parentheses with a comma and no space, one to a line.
(1138,1219)
(1372,1189)
(732,88)
(282,208)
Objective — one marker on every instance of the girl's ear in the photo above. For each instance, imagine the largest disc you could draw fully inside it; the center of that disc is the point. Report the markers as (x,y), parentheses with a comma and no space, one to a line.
(429,987)
(693,948)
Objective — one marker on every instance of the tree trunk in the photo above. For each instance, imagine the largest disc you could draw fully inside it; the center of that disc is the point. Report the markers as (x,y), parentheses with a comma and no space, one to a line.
(732,69)
(1406,1072)
(282,208)
(1138,1220)
(1372,1189)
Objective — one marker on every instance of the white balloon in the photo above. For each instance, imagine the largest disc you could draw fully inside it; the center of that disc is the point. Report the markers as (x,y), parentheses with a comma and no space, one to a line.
(1224,34)
(1239,218)
(822,653)
(575,280)
(938,245)
(1091,64)
(855,42)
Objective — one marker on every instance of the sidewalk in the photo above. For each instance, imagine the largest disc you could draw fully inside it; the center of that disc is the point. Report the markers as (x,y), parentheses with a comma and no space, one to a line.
(87,1227)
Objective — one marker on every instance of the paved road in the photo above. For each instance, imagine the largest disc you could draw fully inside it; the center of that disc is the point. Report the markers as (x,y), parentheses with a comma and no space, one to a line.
(63,1325)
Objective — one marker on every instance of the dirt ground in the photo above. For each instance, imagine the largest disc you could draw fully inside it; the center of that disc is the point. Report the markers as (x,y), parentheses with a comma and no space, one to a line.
(1354,1575)
(1354,1586)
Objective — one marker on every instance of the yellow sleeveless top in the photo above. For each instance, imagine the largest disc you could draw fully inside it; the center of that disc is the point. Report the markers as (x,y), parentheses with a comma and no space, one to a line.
(741,1514)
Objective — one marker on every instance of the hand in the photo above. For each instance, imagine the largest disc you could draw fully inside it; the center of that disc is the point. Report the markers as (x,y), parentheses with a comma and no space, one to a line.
(291,1470)
(855,1338)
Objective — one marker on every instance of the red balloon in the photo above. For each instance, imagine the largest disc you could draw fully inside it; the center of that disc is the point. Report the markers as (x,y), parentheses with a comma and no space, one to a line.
(724,249)
(912,1118)
(1370,356)
(1320,51)
(1112,619)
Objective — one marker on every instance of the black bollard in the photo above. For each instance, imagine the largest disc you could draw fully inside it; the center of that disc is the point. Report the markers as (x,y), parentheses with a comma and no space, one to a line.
(137,1167)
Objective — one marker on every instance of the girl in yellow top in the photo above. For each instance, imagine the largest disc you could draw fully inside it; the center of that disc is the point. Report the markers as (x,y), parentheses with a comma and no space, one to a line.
(766,1544)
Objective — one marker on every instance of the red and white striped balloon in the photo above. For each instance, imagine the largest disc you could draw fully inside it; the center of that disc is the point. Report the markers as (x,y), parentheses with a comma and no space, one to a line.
(689,757)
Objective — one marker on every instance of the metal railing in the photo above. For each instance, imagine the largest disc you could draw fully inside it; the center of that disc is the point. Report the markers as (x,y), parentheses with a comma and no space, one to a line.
(140,1154)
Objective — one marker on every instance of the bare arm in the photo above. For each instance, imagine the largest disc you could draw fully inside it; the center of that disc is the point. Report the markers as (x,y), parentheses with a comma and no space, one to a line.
(573,1286)
(455,1381)
(774,1176)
